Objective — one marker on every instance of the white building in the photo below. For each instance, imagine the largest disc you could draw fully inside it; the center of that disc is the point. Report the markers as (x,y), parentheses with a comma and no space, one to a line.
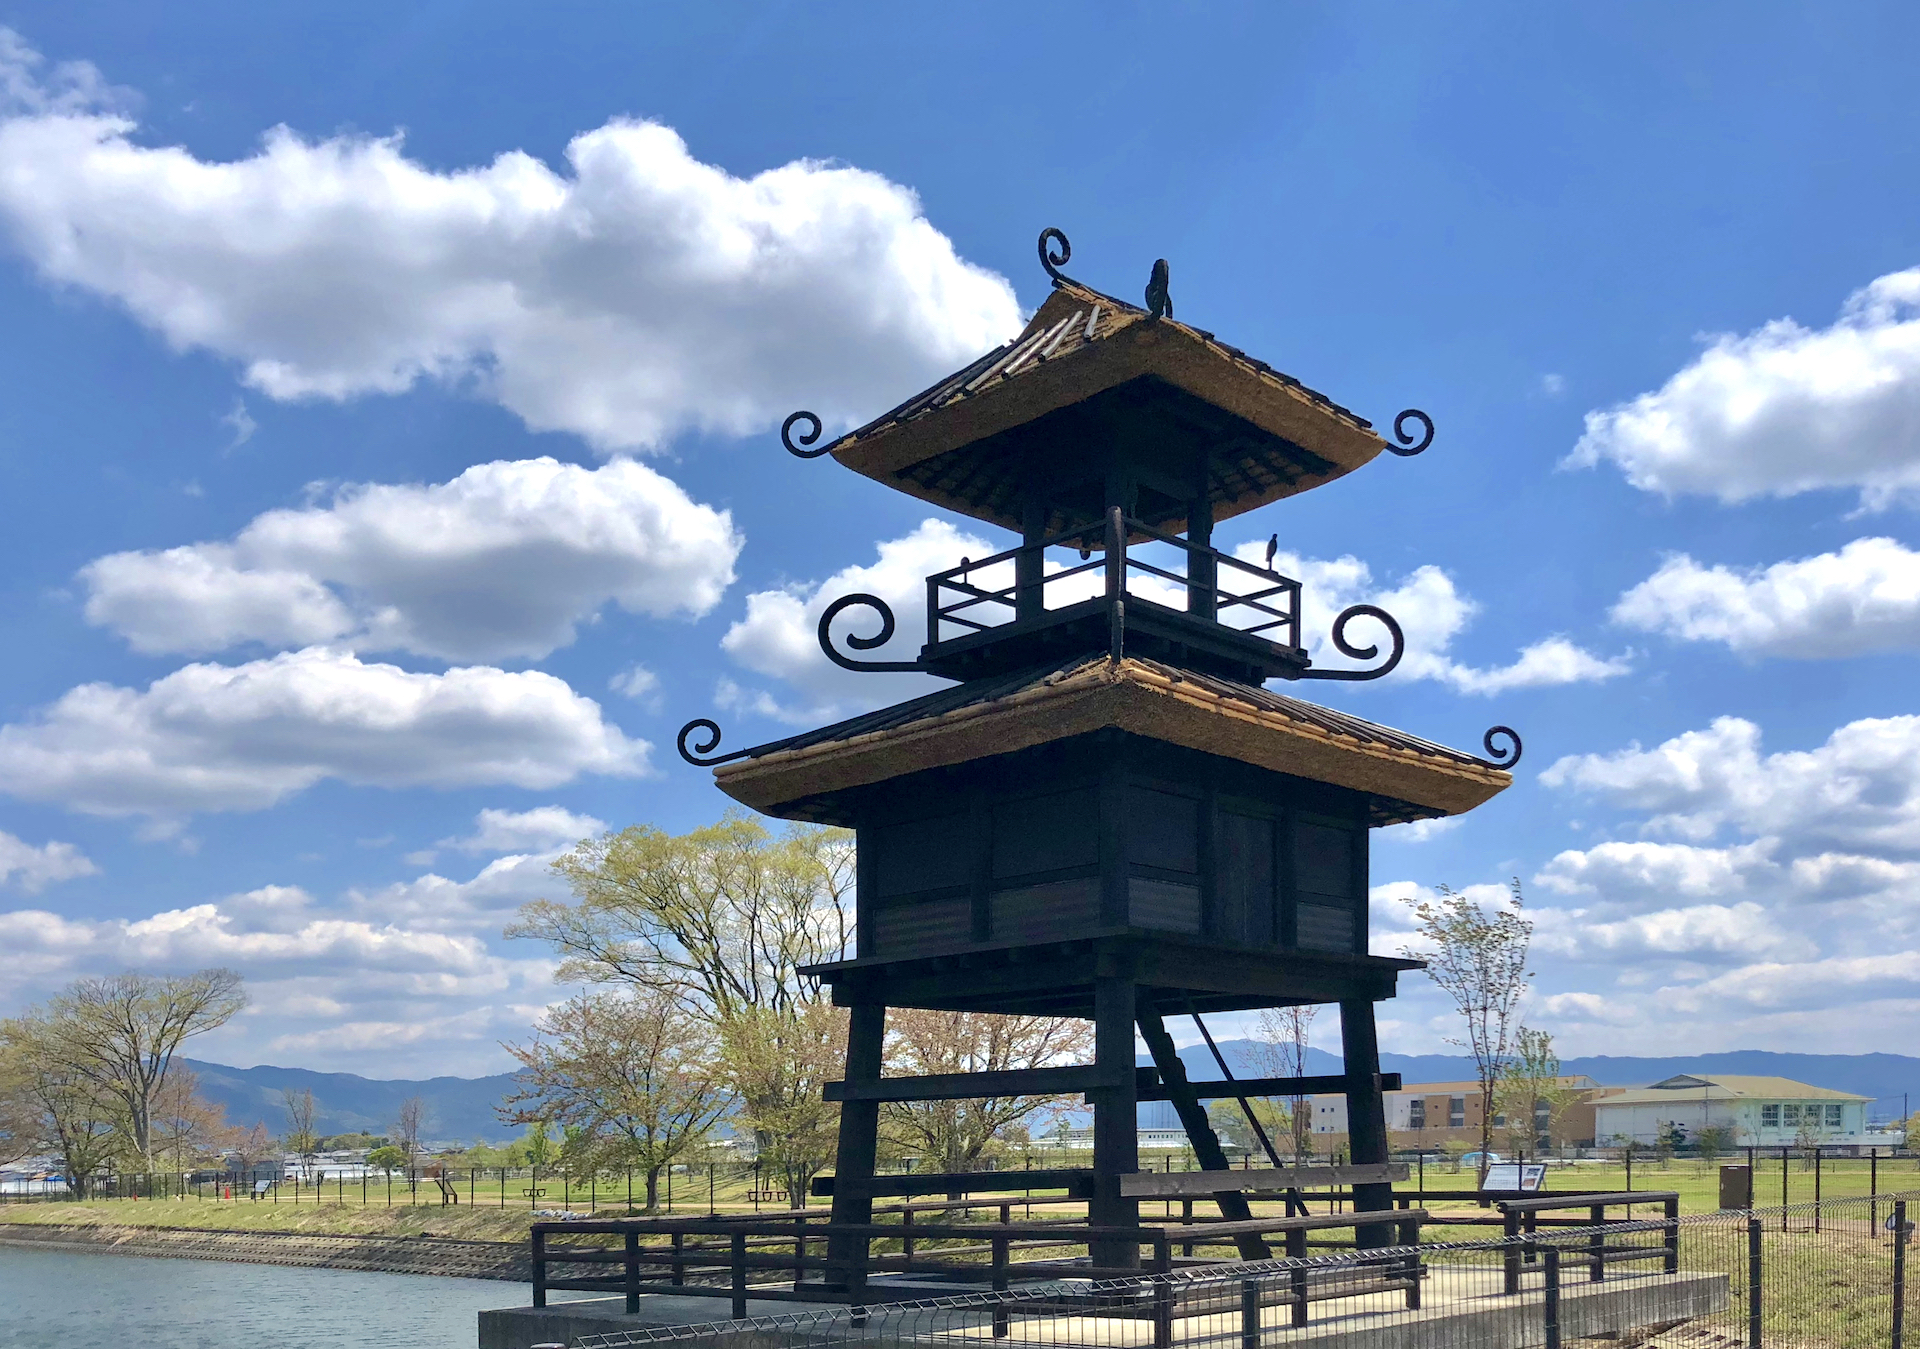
(1756,1111)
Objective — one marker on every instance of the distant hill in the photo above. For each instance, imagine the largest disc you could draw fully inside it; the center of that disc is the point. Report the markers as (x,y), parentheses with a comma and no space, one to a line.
(461,1109)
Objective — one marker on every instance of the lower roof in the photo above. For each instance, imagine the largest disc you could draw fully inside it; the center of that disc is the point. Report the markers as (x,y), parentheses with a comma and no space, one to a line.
(1408,778)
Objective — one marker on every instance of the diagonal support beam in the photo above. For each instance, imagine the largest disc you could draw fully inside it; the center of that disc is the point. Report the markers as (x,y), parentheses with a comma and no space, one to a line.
(1193,1117)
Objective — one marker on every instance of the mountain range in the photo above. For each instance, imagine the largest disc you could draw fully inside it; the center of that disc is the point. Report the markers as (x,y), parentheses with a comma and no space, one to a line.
(461,1109)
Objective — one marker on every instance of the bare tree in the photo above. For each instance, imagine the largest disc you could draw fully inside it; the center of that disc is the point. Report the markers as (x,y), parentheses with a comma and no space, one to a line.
(188,1129)
(407,1126)
(636,1075)
(300,1138)
(1280,1050)
(70,1113)
(1478,956)
(121,1034)
(955,1135)
(722,919)
(253,1147)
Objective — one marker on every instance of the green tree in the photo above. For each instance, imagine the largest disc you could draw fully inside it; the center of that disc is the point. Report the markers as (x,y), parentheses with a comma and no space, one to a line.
(637,1077)
(60,1107)
(1477,954)
(121,1034)
(536,1145)
(1531,1092)
(388,1158)
(722,919)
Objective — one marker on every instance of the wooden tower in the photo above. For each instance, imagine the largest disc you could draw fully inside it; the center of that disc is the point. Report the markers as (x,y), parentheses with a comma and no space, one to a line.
(1109,815)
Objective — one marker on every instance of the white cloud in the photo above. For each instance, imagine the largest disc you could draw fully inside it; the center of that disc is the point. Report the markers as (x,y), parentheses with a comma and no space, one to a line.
(636,295)
(777,638)
(34,868)
(505,560)
(542,827)
(1859,789)
(1553,385)
(1782,410)
(1862,599)
(214,737)
(319,974)
(1699,931)
(1432,613)
(1657,868)
(640,684)
(1422,831)
(240,422)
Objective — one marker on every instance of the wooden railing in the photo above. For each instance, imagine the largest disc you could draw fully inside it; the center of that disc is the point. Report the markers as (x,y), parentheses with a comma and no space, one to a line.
(739,1259)
(1522,1217)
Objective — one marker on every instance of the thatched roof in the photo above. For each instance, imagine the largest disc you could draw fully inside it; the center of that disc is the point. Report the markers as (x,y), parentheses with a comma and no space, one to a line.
(1091,370)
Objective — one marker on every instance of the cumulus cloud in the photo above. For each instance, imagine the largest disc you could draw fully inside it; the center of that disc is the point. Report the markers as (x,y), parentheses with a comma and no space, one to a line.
(319,974)
(214,737)
(1697,931)
(1859,789)
(1863,599)
(1432,612)
(505,560)
(534,830)
(640,684)
(34,868)
(1656,868)
(634,295)
(1783,409)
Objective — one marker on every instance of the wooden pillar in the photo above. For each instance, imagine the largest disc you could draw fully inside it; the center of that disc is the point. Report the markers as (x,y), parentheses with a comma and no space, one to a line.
(1029,565)
(1193,1118)
(1202,572)
(1116,1125)
(1366,1114)
(859,1138)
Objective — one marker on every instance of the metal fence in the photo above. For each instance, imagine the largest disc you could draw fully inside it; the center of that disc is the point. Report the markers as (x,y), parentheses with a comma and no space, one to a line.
(1827,1276)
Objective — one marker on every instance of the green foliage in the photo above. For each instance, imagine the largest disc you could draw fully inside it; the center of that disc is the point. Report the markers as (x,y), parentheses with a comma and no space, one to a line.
(387,1157)
(349,1142)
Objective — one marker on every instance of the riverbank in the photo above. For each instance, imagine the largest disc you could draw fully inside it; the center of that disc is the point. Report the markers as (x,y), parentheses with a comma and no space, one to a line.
(469,1245)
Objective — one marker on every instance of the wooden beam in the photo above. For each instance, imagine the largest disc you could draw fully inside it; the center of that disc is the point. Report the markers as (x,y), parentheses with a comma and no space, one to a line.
(1153,1090)
(1076,1181)
(1201,1184)
(975,1086)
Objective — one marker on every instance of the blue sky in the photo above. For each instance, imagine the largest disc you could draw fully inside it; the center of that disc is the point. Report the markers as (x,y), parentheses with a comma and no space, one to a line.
(388,394)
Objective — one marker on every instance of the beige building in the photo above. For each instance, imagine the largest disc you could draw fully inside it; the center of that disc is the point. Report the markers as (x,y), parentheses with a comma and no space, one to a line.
(1429,1115)
(1755,1111)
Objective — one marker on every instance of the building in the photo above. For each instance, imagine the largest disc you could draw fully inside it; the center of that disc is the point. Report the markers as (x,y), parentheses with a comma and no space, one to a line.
(1429,1115)
(1756,1111)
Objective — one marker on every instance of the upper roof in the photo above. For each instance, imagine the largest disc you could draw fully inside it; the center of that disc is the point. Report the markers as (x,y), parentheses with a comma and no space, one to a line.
(1726,1087)
(1407,778)
(1093,371)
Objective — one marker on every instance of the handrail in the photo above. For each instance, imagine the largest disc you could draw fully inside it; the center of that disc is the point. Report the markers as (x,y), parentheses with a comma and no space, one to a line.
(1093,537)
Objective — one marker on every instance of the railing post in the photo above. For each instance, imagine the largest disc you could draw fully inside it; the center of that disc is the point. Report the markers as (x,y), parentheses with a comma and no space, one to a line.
(1899,1272)
(1409,1234)
(1671,1239)
(1029,567)
(1116,585)
(1510,1253)
(633,1271)
(1597,1244)
(739,1263)
(1249,1314)
(1162,1291)
(1753,1283)
(1296,1239)
(539,1253)
(679,1275)
(1551,1303)
(1001,1324)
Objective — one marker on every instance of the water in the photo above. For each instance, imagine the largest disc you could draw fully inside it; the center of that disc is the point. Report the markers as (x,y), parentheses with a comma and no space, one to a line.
(64,1300)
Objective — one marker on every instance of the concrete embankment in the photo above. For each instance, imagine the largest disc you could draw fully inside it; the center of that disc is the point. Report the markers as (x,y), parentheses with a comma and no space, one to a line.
(443,1256)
